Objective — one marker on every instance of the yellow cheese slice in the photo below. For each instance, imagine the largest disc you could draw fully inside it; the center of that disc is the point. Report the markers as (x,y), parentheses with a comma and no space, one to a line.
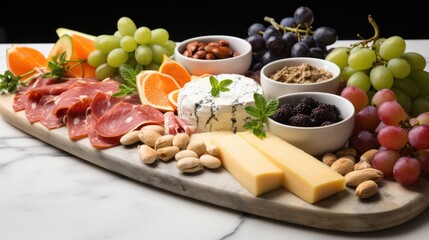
(247,164)
(304,175)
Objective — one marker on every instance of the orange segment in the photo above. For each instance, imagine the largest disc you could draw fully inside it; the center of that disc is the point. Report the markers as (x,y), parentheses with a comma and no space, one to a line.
(172,98)
(23,59)
(153,88)
(175,69)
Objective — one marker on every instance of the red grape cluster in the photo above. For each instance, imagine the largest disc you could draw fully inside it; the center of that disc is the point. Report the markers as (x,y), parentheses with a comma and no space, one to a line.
(402,142)
(293,37)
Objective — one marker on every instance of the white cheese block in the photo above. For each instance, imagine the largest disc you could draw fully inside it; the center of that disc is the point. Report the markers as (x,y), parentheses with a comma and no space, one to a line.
(197,107)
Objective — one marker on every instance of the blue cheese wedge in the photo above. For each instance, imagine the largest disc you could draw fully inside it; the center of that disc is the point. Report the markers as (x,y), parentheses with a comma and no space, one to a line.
(197,107)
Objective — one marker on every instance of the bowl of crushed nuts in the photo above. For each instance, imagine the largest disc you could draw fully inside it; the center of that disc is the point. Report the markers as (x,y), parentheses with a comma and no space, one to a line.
(214,54)
(316,122)
(299,74)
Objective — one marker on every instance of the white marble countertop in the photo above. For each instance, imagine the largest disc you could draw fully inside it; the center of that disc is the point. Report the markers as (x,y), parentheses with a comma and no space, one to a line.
(49,194)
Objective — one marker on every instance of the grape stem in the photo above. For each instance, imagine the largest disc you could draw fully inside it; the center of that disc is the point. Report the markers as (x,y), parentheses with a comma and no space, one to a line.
(278,26)
(374,38)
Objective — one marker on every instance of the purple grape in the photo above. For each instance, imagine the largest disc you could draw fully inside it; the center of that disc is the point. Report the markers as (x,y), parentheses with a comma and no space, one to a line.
(275,44)
(363,141)
(270,31)
(288,22)
(268,57)
(257,42)
(290,39)
(255,28)
(303,16)
(317,52)
(309,41)
(300,49)
(325,36)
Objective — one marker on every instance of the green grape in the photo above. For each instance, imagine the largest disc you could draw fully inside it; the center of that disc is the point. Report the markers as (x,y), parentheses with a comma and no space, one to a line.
(378,43)
(152,66)
(126,26)
(159,36)
(399,67)
(416,60)
(408,86)
(117,57)
(381,77)
(96,57)
(354,49)
(143,35)
(128,44)
(107,43)
(144,54)
(362,59)
(403,99)
(421,78)
(419,105)
(170,45)
(158,52)
(117,34)
(104,71)
(339,56)
(346,72)
(360,80)
(98,38)
(392,47)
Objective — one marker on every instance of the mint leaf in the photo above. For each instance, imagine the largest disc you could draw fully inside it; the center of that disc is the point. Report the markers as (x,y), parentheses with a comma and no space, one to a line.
(129,74)
(223,85)
(218,87)
(261,111)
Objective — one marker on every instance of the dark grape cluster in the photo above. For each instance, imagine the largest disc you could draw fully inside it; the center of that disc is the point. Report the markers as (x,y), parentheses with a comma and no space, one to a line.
(292,37)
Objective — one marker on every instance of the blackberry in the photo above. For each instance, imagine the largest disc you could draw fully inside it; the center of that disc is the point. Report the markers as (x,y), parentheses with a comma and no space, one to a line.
(300,120)
(320,115)
(284,112)
(330,107)
(305,106)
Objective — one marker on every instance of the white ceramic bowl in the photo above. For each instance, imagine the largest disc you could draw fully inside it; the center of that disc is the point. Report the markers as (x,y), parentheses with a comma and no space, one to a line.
(273,89)
(238,64)
(316,140)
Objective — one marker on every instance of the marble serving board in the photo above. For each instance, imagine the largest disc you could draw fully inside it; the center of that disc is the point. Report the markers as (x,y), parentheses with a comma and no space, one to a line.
(344,212)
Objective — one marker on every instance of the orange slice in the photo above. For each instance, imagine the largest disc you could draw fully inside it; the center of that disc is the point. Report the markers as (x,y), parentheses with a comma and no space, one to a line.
(175,69)
(172,98)
(153,88)
(23,59)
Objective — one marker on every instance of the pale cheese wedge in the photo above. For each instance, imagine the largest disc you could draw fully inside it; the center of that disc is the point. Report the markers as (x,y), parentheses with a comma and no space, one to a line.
(304,175)
(245,163)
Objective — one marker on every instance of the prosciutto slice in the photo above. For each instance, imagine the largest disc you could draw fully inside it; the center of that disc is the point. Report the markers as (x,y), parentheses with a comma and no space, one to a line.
(174,125)
(76,119)
(20,99)
(125,117)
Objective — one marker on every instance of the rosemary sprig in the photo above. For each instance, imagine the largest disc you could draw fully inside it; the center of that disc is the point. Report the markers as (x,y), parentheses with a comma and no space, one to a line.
(60,66)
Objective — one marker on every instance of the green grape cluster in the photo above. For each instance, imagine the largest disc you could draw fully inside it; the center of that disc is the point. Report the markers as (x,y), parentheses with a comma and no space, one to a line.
(130,45)
(385,64)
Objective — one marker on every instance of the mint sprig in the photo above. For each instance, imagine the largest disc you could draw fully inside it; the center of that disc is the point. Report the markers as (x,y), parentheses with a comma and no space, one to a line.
(218,87)
(261,111)
(128,73)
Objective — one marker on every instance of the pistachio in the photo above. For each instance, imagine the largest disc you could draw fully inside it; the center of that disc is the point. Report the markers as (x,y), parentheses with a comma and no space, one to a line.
(189,165)
(157,128)
(343,165)
(185,153)
(149,137)
(346,152)
(329,158)
(164,141)
(199,147)
(368,155)
(130,138)
(147,154)
(167,153)
(180,140)
(356,177)
(210,161)
(212,150)
(362,164)
(366,189)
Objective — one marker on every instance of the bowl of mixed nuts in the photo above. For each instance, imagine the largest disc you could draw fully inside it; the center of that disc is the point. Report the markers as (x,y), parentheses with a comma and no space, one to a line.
(214,54)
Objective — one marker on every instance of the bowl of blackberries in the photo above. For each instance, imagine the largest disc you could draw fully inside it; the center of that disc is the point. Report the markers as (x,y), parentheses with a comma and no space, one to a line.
(315,122)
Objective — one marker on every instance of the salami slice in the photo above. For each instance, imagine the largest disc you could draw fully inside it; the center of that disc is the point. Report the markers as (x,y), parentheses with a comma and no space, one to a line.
(76,119)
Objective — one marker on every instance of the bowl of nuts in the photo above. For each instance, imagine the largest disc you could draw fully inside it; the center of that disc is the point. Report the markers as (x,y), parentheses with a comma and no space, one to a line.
(214,54)
(299,74)
(316,122)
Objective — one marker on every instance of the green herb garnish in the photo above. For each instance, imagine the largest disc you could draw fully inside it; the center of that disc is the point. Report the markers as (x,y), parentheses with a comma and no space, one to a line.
(128,73)
(261,111)
(60,66)
(218,87)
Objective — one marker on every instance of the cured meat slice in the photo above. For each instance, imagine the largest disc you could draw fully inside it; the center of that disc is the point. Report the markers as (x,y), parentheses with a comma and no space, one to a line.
(103,102)
(34,110)
(98,141)
(76,119)
(20,99)
(49,120)
(80,91)
(125,117)
(174,125)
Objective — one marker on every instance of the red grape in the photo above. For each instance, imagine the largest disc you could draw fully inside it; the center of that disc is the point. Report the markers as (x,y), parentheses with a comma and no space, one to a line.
(363,141)
(356,96)
(391,113)
(419,137)
(384,161)
(407,170)
(383,95)
(392,137)
(423,157)
(367,119)
(423,118)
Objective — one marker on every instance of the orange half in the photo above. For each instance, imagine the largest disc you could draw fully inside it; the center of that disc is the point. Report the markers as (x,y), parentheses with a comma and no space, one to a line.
(175,69)
(23,59)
